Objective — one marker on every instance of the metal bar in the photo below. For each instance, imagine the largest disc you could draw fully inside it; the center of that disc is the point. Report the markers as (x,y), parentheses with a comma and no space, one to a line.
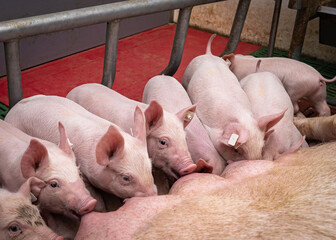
(12,55)
(237,27)
(297,4)
(327,10)
(299,31)
(274,28)
(300,27)
(179,40)
(111,50)
(30,26)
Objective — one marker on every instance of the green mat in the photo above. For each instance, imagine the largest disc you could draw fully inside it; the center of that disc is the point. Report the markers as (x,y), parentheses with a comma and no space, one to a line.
(3,111)
(327,70)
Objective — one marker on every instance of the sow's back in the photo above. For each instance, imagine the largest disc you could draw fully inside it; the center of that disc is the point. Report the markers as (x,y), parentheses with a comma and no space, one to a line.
(294,200)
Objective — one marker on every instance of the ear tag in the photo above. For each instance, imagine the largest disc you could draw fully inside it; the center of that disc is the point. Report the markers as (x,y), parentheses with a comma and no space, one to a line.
(32,198)
(70,144)
(233,139)
(228,62)
(189,116)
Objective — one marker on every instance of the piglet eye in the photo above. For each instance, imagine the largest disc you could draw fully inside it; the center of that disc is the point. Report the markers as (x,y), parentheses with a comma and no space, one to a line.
(236,150)
(14,228)
(53,184)
(126,178)
(163,142)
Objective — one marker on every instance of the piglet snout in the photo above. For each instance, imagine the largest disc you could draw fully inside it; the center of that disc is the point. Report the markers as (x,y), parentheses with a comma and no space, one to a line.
(191,168)
(88,206)
(57,238)
(152,192)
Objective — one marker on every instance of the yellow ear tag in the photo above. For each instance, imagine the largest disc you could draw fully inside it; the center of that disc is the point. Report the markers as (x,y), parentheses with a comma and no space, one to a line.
(233,139)
(189,116)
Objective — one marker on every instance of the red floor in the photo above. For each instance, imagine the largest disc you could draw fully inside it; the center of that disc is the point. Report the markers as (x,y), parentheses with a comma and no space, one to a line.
(140,57)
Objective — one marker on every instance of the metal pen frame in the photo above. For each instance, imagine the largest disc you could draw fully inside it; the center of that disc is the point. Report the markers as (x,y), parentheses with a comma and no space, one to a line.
(13,30)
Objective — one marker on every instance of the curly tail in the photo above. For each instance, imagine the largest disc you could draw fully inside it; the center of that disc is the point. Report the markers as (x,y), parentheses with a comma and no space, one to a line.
(327,80)
(208,48)
(258,65)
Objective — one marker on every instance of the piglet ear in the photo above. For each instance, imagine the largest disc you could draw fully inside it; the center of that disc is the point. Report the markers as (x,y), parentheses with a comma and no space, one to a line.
(140,125)
(268,134)
(234,135)
(266,122)
(186,114)
(34,158)
(293,148)
(228,56)
(229,59)
(154,116)
(32,188)
(64,143)
(203,166)
(110,145)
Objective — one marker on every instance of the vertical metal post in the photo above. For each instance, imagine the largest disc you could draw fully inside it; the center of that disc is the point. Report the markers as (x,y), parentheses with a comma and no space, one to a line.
(302,18)
(299,32)
(111,50)
(12,56)
(274,28)
(237,27)
(179,40)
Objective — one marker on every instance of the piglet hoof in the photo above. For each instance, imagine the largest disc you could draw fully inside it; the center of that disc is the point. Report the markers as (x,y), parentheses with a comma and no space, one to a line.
(203,167)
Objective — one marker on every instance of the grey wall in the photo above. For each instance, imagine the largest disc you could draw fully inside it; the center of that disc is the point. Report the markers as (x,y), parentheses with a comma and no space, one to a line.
(43,48)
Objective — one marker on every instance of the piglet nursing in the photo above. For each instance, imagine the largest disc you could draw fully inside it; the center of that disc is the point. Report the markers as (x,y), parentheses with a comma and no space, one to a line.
(19,218)
(22,156)
(109,158)
(299,79)
(173,97)
(268,96)
(225,110)
(165,133)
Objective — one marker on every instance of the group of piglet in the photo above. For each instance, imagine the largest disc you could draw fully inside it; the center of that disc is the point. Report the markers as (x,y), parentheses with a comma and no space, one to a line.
(98,165)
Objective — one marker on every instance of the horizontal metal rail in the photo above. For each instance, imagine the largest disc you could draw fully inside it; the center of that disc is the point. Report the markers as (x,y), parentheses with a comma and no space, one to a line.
(25,27)
(13,30)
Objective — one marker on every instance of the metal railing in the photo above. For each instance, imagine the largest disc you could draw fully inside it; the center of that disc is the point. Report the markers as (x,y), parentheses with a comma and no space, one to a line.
(13,30)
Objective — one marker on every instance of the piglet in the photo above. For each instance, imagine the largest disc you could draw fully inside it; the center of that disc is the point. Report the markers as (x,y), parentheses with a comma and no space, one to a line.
(109,158)
(166,141)
(173,97)
(19,218)
(268,96)
(224,108)
(299,79)
(22,157)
